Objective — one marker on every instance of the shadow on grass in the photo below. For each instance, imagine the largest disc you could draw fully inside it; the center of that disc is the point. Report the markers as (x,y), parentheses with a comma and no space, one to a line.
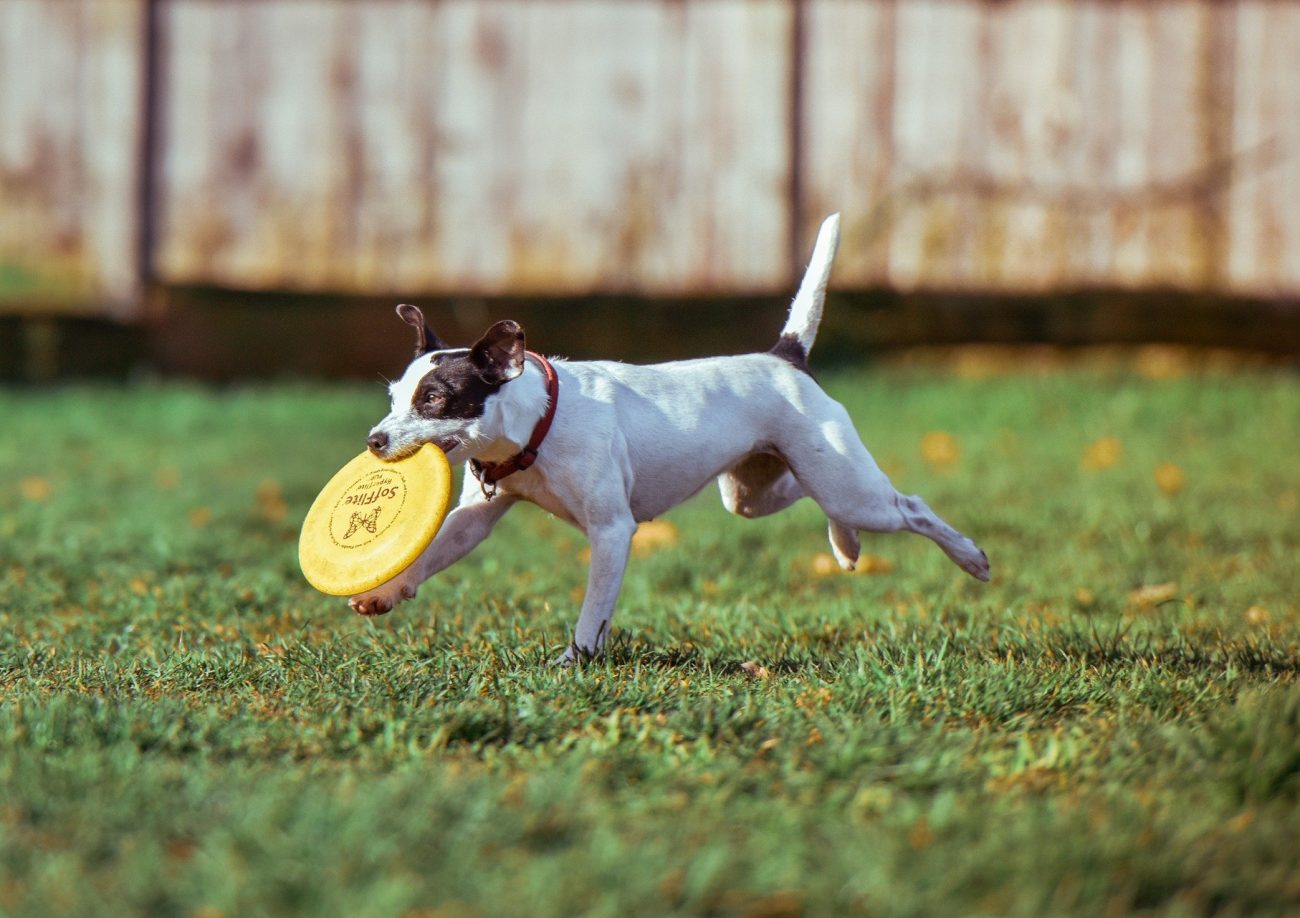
(691,659)
(1176,654)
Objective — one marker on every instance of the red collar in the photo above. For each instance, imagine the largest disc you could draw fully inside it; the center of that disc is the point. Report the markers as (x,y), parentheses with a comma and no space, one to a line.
(489,473)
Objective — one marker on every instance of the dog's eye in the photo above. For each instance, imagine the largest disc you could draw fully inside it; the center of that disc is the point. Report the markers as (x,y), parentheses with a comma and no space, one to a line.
(433,399)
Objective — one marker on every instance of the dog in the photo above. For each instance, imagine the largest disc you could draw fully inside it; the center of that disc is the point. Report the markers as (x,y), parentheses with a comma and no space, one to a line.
(606,445)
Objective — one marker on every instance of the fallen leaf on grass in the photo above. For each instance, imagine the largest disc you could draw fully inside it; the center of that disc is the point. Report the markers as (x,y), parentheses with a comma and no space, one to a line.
(270,500)
(939,448)
(1169,478)
(1146,597)
(785,904)
(753,669)
(35,488)
(1241,821)
(672,884)
(824,565)
(648,538)
(1102,454)
(180,850)
(812,699)
(874,564)
(652,536)
(920,836)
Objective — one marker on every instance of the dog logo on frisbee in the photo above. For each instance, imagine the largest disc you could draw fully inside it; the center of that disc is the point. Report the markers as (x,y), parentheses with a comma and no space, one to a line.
(367,508)
(370,522)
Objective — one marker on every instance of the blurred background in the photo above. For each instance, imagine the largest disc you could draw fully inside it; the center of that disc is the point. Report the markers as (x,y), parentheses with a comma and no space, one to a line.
(223,189)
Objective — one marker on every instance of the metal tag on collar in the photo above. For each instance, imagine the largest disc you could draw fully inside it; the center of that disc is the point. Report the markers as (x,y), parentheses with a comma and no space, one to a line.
(489,488)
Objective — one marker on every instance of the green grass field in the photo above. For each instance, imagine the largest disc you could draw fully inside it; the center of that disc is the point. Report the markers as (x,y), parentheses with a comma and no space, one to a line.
(1111,725)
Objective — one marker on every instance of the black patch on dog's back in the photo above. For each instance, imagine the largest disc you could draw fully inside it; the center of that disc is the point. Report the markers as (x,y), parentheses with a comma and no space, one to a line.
(454,388)
(790,349)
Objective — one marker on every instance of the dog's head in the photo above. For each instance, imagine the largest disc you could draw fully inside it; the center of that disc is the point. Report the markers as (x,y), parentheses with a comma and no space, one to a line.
(451,397)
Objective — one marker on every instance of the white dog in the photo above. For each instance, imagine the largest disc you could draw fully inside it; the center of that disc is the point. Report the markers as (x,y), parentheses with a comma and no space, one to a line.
(628,443)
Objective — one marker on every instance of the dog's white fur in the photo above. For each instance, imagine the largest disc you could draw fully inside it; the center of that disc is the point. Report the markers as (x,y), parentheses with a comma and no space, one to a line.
(630,442)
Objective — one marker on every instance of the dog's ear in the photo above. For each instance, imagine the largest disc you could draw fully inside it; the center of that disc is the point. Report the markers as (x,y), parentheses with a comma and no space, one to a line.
(499,354)
(425,339)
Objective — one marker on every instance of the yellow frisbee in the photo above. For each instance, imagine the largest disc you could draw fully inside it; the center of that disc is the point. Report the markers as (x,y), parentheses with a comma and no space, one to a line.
(373,519)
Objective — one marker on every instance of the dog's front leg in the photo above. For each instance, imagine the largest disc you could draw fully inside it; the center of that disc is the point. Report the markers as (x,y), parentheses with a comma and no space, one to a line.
(611,543)
(464,528)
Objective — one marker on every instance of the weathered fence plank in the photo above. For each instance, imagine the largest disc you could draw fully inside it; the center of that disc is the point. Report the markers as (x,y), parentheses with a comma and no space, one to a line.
(504,147)
(70,154)
(1042,145)
(1263,215)
(847,128)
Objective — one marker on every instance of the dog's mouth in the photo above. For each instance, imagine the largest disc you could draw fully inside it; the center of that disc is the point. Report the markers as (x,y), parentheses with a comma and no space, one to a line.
(398,453)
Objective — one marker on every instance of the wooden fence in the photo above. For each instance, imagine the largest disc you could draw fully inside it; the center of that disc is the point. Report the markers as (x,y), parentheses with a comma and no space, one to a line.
(71,158)
(645,146)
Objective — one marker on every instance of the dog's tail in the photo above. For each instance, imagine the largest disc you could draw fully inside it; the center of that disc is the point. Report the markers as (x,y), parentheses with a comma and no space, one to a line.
(806,310)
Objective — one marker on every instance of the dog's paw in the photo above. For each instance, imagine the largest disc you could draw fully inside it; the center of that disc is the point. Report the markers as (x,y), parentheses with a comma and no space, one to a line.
(381,599)
(977,566)
(969,557)
(573,654)
(370,605)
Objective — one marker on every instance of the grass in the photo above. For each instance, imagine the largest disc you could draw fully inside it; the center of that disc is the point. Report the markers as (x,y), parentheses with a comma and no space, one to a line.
(1112,725)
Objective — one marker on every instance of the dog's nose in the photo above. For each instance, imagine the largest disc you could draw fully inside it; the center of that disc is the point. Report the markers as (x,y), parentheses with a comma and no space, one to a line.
(378,442)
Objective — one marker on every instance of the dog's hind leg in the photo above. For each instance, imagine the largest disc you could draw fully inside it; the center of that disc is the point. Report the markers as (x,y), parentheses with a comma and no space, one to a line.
(848,485)
(919,518)
(902,513)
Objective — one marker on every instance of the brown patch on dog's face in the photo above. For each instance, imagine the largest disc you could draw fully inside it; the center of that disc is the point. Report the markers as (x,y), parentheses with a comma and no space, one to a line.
(454,388)
(461,381)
